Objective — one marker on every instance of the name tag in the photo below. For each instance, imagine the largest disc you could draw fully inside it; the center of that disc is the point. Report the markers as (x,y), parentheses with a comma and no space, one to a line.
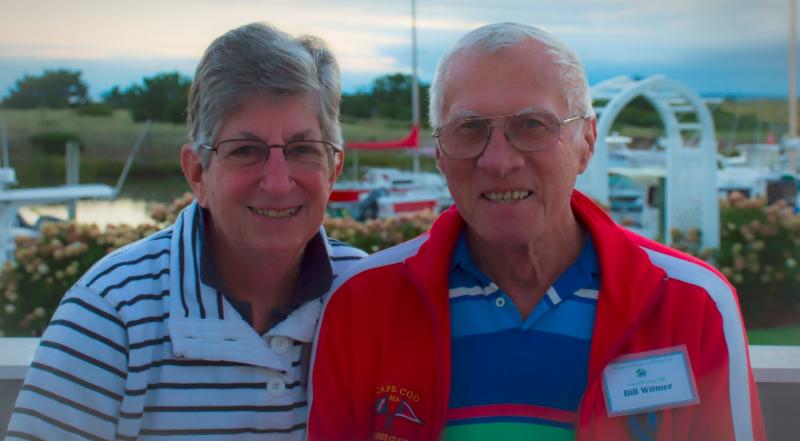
(648,381)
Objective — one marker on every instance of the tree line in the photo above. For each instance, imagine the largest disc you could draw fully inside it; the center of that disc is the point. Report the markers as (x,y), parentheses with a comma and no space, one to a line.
(163,96)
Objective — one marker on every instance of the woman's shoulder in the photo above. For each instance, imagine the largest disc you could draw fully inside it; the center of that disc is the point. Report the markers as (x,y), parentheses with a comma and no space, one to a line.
(140,261)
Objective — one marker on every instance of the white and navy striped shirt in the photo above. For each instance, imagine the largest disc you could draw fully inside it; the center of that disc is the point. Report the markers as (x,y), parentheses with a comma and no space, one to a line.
(141,348)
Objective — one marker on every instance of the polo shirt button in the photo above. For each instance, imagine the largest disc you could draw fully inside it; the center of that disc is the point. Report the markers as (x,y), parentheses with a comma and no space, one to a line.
(276,387)
(279,344)
(500,302)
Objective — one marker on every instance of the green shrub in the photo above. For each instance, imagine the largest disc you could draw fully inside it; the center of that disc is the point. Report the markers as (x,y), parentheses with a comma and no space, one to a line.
(759,249)
(53,143)
(96,109)
(45,267)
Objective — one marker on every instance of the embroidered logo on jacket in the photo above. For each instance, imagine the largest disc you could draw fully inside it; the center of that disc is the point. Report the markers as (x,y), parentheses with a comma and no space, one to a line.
(395,403)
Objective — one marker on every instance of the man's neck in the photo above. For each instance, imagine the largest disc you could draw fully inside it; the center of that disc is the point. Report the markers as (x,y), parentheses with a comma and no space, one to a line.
(526,271)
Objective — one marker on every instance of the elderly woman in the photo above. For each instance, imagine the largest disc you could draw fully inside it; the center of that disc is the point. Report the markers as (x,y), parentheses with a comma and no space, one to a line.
(202,330)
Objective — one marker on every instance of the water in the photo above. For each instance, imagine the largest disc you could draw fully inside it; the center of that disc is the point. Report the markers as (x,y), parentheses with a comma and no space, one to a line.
(119,211)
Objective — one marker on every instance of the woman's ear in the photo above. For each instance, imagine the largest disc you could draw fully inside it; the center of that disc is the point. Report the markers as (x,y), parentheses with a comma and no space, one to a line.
(194,173)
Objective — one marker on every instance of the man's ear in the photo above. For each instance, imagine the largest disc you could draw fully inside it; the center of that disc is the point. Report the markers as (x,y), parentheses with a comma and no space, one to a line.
(587,140)
(438,156)
(194,173)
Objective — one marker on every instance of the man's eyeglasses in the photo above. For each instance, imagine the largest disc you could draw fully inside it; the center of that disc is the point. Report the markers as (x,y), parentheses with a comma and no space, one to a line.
(529,132)
(240,153)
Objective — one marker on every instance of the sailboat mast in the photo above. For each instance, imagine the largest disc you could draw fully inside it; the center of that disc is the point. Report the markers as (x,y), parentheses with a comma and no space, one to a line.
(792,153)
(414,84)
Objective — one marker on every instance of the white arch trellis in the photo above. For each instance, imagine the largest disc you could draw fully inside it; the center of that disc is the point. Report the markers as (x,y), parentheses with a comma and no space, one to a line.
(690,147)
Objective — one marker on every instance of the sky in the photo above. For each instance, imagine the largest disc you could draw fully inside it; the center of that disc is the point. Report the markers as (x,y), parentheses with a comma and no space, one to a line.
(717,47)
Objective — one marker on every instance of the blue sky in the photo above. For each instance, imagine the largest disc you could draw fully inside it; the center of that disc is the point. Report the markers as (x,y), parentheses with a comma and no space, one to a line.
(718,47)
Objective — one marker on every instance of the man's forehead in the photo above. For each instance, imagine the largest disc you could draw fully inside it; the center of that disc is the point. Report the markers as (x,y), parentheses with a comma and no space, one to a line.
(458,112)
(516,79)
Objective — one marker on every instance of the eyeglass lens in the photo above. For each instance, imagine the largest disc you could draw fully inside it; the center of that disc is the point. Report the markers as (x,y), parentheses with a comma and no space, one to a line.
(301,153)
(528,132)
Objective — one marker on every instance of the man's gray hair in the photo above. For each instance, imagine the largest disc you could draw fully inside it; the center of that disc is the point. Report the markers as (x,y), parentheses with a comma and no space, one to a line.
(495,37)
(260,60)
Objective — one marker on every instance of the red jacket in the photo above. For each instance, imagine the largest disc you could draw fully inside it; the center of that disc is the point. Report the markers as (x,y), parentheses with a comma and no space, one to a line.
(385,333)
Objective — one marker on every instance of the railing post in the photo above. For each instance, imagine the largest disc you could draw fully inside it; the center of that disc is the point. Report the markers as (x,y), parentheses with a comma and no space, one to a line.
(73,160)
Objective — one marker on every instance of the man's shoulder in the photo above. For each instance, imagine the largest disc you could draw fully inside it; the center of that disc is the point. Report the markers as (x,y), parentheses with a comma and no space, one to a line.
(683,267)
(364,269)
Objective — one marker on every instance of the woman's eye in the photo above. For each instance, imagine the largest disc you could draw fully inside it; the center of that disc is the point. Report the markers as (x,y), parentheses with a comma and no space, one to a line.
(245,150)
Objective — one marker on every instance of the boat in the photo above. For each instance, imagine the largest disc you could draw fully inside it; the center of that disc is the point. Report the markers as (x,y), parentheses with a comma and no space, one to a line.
(637,181)
(12,199)
(388,192)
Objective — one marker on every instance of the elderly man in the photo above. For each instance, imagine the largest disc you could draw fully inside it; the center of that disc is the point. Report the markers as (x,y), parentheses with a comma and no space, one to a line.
(203,330)
(526,312)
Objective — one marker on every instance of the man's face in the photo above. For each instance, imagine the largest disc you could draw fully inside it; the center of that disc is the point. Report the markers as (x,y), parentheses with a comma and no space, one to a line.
(518,79)
(272,206)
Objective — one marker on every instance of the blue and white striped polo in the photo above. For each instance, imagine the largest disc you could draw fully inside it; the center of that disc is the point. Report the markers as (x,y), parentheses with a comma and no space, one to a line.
(514,378)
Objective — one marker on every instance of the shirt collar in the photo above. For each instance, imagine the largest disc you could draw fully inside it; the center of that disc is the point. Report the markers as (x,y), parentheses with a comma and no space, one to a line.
(578,274)
(463,259)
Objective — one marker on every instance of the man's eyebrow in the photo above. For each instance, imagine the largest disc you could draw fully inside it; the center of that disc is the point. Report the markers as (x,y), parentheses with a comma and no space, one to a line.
(463,114)
(469,114)
(534,109)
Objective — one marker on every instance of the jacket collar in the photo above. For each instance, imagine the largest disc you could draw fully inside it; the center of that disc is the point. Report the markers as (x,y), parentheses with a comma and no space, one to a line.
(629,282)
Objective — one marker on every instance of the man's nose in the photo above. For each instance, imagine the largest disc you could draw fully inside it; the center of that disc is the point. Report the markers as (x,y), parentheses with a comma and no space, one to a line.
(500,157)
(276,173)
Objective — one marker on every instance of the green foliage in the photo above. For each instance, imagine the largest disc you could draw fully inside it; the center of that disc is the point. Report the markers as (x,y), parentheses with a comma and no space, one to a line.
(377,234)
(47,266)
(53,143)
(96,109)
(360,104)
(388,97)
(55,89)
(783,335)
(759,245)
(758,252)
(116,98)
(639,112)
(162,97)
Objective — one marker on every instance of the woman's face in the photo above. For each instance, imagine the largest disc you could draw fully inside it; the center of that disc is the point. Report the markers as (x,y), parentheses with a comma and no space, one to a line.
(277,205)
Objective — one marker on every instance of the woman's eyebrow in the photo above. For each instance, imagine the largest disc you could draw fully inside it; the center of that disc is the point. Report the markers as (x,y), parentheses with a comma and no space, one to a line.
(244,134)
(300,136)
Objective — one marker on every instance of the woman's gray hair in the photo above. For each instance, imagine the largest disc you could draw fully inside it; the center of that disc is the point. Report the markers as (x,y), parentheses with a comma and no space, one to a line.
(260,60)
(495,37)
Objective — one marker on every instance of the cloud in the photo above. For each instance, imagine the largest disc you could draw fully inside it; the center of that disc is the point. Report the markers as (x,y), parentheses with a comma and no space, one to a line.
(371,38)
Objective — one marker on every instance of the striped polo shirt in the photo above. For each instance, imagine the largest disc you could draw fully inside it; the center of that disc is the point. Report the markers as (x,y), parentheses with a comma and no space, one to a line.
(514,378)
(143,348)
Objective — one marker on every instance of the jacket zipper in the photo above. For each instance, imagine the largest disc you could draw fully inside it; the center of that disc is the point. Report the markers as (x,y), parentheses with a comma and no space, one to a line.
(660,291)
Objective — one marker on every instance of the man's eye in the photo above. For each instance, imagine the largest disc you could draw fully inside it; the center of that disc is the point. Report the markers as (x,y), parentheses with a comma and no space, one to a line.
(532,123)
(469,126)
